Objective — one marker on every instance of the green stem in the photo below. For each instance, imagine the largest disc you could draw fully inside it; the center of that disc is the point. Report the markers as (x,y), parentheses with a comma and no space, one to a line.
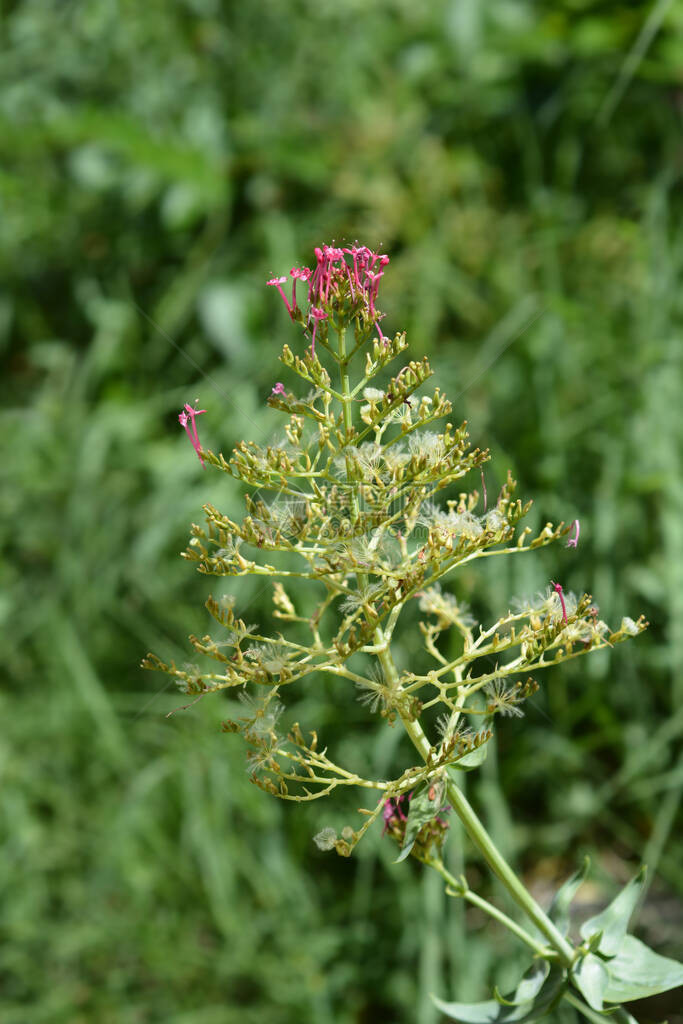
(482,840)
(345,386)
(618,1014)
(488,908)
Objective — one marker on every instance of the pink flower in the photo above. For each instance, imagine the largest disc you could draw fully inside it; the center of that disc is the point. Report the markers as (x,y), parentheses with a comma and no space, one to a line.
(279,389)
(317,314)
(388,812)
(333,267)
(391,812)
(298,274)
(331,255)
(278,283)
(557,587)
(317,276)
(573,541)
(373,287)
(186,419)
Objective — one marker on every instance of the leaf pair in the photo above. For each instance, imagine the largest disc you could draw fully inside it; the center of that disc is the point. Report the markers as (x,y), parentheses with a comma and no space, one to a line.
(618,967)
(614,968)
(536,994)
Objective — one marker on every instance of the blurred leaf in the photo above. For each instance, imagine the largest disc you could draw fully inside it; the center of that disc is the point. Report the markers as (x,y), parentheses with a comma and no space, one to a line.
(590,976)
(637,972)
(536,993)
(613,920)
(222,311)
(559,908)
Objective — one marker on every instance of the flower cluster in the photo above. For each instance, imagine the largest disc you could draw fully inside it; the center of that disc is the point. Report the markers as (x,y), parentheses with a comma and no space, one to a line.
(352,499)
(357,269)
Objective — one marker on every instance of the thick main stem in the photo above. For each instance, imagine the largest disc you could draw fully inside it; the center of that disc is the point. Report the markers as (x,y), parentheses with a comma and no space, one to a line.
(459,891)
(482,840)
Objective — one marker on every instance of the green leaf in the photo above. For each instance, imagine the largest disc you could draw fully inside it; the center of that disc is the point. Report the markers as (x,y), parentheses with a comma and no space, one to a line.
(529,986)
(591,978)
(422,810)
(559,908)
(534,996)
(614,919)
(637,972)
(472,760)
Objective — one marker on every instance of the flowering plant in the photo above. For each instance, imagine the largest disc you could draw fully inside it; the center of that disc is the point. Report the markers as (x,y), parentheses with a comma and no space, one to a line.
(348,501)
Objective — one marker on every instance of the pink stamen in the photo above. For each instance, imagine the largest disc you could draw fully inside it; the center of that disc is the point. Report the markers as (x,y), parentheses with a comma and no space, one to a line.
(278,283)
(298,274)
(317,314)
(348,274)
(187,417)
(557,587)
(332,256)
(573,541)
(373,287)
(317,274)
(279,389)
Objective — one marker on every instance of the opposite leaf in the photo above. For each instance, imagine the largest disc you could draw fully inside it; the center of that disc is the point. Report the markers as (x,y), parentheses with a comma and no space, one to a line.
(536,993)
(591,978)
(637,972)
(614,919)
(559,908)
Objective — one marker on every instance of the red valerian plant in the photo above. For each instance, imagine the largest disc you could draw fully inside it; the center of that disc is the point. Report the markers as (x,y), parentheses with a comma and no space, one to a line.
(362,499)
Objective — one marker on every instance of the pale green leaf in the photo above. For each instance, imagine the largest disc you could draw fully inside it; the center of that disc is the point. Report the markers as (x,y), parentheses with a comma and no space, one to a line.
(613,920)
(559,908)
(591,978)
(637,972)
(536,993)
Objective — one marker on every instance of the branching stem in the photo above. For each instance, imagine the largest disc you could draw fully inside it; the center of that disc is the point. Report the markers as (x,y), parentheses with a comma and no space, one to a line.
(482,840)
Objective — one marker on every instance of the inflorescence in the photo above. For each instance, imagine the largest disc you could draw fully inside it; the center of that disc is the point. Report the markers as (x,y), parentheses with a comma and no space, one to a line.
(362,497)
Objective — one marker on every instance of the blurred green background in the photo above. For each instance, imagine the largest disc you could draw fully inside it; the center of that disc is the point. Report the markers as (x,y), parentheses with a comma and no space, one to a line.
(520,162)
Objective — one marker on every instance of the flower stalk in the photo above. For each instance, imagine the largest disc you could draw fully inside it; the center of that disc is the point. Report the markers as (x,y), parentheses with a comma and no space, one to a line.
(363,498)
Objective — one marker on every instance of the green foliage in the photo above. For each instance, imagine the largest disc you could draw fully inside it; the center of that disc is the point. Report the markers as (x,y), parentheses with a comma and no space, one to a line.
(611,923)
(611,967)
(637,972)
(591,977)
(535,995)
